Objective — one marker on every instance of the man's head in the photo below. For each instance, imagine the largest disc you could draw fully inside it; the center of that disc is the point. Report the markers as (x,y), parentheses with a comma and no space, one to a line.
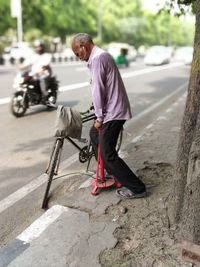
(82,45)
(39,46)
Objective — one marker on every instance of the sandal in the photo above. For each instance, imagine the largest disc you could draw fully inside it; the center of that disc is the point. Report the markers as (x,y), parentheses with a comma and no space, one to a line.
(126,193)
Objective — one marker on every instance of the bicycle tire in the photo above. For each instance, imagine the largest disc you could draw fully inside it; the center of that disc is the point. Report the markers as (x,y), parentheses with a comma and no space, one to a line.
(51,170)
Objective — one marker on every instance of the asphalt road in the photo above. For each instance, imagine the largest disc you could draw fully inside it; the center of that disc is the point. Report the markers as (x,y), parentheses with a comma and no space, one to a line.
(26,142)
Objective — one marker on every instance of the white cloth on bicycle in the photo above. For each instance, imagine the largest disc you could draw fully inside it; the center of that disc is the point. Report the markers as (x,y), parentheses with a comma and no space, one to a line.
(68,123)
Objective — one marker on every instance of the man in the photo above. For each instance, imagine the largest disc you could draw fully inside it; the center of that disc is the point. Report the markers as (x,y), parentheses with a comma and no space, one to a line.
(122,60)
(39,66)
(112,109)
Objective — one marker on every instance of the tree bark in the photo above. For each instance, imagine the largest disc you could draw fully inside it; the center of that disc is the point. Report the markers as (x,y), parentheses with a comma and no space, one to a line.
(184,203)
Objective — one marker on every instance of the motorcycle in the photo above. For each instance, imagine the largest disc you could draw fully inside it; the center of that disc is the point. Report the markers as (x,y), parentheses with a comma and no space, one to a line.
(28,93)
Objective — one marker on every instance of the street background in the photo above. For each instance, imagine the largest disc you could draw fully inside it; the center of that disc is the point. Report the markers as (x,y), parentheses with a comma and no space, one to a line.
(79,229)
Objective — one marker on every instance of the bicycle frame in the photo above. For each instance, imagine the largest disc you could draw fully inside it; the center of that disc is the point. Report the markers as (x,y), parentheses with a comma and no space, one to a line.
(86,152)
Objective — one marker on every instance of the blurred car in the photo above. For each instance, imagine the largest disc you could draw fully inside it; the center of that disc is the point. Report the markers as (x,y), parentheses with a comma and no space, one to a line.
(115,50)
(184,54)
(158,55)
(18,53)
(68,55)
(141,51)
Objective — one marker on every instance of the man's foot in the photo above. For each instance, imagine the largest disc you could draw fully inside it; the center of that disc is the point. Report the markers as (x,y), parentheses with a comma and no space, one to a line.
(125,193)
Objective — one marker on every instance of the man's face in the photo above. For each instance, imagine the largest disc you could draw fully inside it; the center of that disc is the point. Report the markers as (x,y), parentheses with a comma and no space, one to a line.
(39,49)
(81,52)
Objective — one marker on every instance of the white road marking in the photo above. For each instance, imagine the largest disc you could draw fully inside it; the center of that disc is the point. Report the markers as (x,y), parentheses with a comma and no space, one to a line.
(25,190)
(149,70)
(136,139)
(169,110)
(38,226)
(5,100)
(157,104)
(73,86)
(22,192)
(69,161)
(149,126)
(81,69)
(67,64)
(124,75)
(175,104)
(160,118)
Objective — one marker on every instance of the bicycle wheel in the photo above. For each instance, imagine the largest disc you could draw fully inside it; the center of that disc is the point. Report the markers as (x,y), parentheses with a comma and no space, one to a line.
(52,169)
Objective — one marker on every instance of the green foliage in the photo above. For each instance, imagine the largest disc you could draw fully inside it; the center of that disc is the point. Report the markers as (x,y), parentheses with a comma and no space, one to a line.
(6,20)
(105,20)
(182,5)
(186,2)
(116,16)
(32,35)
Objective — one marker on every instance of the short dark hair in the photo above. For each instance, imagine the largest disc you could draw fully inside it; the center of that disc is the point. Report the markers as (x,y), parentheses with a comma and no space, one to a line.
(82,38)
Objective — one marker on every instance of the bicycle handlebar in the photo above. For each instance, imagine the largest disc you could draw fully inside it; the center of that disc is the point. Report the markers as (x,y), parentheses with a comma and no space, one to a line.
(88,110)
(88,118)
(87,115)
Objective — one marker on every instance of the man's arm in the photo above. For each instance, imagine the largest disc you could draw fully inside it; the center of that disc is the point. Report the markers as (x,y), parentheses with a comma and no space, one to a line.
(25,66)
(98,89)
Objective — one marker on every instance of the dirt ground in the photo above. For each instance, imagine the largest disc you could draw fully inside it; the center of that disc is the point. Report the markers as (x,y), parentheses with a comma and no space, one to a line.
(144,236)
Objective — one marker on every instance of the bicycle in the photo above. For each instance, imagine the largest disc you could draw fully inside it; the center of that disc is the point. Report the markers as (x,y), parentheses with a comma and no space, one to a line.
(85,153)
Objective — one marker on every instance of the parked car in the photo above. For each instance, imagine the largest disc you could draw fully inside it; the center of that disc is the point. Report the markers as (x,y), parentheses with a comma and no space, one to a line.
(184,54)
(68,55)
(158,55)
(18,53)
(115,50)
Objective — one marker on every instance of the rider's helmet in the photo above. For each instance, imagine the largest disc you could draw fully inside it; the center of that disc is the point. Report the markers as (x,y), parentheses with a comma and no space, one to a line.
(39,46)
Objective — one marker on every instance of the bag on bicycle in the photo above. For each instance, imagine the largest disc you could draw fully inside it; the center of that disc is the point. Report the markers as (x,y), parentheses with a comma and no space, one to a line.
(68,123)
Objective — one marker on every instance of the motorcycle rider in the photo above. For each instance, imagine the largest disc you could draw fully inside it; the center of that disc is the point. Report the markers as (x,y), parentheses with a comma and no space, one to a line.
(39,67)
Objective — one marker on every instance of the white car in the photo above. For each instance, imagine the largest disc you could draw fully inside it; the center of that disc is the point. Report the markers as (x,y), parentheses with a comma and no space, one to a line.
(68,55)
(18,52)
(115,49)
(184,54)
(158,55)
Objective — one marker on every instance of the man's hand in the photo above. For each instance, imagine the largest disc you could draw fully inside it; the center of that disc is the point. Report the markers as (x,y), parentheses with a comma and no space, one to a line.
(98,124)
(43,72)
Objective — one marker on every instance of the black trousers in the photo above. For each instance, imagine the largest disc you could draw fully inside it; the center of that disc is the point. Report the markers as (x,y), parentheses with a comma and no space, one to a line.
(113,163)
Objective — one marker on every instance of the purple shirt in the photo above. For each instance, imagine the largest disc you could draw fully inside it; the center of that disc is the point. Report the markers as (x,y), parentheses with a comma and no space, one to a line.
(109,95)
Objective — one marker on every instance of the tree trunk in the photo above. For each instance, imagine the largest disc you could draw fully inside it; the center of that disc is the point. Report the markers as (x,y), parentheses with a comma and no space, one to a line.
(184,203)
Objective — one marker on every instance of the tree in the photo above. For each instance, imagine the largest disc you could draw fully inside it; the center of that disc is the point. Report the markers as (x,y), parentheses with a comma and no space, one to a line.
(7,21)
(60,17)
(109,20)
(112,18)
(184,203)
